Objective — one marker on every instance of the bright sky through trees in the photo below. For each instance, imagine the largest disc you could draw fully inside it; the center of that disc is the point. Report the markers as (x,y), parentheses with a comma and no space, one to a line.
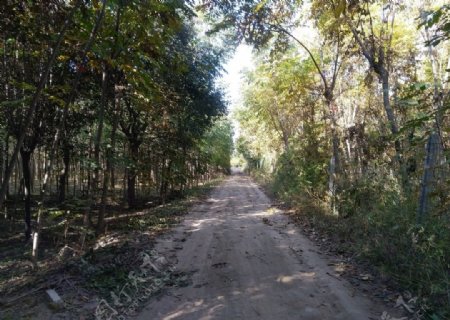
(232,79)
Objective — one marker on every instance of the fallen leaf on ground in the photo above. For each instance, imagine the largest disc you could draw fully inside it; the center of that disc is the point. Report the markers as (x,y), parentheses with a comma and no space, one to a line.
(401,302)
(387,316)
(365,277)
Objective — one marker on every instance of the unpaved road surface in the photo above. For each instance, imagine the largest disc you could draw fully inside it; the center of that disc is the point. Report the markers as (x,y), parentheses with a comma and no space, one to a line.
(249,262)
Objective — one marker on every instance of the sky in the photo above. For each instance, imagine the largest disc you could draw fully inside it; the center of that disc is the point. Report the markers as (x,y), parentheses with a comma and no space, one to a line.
(232,79)
(242,59)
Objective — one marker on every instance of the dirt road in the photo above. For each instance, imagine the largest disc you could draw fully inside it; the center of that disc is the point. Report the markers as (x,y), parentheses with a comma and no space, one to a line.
(248,262)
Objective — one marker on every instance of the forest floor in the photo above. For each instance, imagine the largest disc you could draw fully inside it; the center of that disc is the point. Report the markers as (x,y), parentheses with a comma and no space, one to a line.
(247,260)
(85,277)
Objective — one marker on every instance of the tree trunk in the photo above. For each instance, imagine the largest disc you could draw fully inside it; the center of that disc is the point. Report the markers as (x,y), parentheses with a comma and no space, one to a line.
(26,155)
(113,141)
(384,77)
(380,67)
(335,165)
(165,174)
(131,178)
(98,136)
(101,115)
(64,176)
(430,164)
(101,215)
(5,163)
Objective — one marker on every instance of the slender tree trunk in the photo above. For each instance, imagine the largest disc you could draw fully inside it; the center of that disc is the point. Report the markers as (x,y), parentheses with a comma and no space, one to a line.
(108,166)
(113,141)
(16,188)
(104,104)
(76,176)
(132,172)
(384,77)
(5,164)
(165,181)
(98,136)
(101,215)
(335,161)
(89,169)
(3,155)
(64,176)
(430,165)
(26,156)
(38,167)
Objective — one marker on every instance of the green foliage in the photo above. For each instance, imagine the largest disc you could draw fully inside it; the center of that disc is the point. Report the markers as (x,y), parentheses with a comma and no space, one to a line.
(218,144)
(252,158)
(440,20)
(376,188)
(253,21)
(296,175)
(415,255)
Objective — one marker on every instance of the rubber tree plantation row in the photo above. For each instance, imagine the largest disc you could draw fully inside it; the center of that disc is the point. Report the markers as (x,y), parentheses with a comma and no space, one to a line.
(104,104)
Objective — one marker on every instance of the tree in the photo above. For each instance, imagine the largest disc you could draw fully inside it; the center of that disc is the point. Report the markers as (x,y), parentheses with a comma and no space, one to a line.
(375,45)
(217,144)
(34,102)
(258,22)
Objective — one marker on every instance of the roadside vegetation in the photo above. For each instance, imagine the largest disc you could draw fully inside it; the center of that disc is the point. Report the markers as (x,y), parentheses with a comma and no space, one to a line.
(345,118)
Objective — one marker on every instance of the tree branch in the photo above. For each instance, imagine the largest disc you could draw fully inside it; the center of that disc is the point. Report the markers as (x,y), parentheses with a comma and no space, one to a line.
(280,29)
